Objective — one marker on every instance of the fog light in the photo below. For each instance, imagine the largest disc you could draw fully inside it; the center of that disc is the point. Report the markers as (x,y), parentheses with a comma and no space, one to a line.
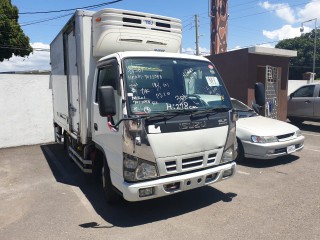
(211,177)
(270,151)
(227,173)
(171,187)
(145,192)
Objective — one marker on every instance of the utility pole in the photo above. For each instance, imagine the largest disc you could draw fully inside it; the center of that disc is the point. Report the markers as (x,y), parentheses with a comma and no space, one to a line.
(197,34)
(315,44)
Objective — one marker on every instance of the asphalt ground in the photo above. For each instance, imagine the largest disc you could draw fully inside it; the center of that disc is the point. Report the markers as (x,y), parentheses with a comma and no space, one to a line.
(43,195)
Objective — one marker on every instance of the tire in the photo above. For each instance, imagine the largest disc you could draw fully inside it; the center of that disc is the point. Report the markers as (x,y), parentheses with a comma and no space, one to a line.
(95,176)
(240,156)
(66,145)
(111,195)
(65,141)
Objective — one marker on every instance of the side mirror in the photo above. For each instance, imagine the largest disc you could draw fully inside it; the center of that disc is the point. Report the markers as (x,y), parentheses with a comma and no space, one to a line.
(107,105)
(259,94)
(256,107)
(291,95)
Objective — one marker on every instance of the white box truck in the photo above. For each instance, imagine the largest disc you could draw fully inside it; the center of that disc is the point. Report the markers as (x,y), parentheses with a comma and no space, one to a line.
(134,112)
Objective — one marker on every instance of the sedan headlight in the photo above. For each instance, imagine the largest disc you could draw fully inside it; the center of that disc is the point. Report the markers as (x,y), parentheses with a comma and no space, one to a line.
(263,139)
(137,169)
(298,133)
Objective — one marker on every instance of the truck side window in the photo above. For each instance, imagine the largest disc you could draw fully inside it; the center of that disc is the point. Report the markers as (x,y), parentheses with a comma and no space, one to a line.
(306,91)
(107,77)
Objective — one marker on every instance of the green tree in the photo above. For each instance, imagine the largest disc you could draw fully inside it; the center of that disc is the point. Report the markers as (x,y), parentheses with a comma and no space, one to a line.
(12,38)
(304,61)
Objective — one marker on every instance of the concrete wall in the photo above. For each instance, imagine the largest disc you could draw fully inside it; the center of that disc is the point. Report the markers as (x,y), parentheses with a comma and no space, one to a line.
(295,84)
(25,110)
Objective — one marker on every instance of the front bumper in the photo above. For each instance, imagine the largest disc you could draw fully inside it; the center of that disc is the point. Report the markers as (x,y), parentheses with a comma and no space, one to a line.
(272,150)
(130,191)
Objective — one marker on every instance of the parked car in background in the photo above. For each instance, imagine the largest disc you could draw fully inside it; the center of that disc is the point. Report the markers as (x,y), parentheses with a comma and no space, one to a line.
(304,104)
(264,138)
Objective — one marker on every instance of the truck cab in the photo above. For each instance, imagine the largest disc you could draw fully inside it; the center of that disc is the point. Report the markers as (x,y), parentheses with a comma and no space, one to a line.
(167,125)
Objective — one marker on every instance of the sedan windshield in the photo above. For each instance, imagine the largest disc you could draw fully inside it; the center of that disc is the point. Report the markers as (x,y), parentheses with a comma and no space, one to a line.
(156,85)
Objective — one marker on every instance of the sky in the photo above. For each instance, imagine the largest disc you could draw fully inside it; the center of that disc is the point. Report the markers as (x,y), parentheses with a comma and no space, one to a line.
(251,23)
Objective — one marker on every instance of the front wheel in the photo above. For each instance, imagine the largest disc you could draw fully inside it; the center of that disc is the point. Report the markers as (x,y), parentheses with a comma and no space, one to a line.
(240,156)
(111,195)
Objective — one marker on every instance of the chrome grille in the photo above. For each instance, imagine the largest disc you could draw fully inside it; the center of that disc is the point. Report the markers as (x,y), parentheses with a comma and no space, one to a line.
(171,166)
(192,162)
(211,158)
(189,162)
(285,136)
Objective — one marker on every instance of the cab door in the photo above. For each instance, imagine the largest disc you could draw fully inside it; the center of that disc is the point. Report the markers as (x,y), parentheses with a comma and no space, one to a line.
(104,136)
(301,102)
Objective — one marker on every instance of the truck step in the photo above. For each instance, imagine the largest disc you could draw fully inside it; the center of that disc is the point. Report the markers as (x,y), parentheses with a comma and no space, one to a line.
(83,164)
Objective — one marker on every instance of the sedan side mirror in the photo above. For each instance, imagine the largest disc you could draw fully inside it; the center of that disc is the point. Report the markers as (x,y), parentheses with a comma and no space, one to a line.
(256,107)
(107,105)
(291,95)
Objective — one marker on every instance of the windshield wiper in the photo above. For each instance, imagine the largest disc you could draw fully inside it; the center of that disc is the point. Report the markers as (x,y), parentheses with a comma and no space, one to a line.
(253,113)
(171,113)
(210,110)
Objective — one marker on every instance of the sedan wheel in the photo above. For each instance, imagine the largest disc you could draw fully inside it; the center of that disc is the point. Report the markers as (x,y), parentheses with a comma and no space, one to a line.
(240,156)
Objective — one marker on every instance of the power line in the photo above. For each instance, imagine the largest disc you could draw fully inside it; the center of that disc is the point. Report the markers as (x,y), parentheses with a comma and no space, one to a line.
(249,15)
(24,48)
(45,20)
(72,9)
(242,4)
(63,10)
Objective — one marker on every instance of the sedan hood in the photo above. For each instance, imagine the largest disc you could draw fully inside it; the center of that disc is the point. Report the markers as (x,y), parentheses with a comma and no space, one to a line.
(263,126)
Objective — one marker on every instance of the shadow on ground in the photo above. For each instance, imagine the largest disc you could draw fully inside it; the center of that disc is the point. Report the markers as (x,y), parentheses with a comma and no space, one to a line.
(266,163)
(128,214)
(309,126)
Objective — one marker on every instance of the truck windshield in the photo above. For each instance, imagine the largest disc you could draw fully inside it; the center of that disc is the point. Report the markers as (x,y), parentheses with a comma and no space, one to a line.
(156,85)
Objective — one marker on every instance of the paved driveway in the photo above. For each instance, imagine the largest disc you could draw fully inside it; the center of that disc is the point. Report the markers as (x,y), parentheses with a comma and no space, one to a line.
(43,195)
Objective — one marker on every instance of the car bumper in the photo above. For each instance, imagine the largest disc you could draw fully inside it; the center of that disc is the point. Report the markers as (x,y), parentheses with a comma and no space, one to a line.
(272,150)
(161,187)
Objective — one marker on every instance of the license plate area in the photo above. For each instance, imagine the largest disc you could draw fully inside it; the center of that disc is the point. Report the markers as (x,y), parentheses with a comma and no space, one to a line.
(291,148)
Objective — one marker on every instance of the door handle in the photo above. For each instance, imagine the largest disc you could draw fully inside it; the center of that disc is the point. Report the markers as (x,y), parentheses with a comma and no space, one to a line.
(95,126)
(307,101)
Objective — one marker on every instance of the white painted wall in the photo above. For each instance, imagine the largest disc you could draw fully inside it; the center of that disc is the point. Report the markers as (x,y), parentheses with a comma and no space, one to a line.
(295,84)
(25,110)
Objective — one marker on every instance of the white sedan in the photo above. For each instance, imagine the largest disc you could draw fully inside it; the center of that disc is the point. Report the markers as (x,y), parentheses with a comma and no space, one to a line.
(264,138)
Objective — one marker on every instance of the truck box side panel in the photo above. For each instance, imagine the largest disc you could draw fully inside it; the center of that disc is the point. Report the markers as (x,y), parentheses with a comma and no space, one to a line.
(86,64)
(59,84)
(73,79)
(60,101)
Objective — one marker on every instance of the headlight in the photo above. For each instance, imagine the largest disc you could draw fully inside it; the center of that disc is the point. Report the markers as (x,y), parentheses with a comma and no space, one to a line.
(229,155)
(298,133)
(146,171)
(263,139)
(230,149)
(136,169)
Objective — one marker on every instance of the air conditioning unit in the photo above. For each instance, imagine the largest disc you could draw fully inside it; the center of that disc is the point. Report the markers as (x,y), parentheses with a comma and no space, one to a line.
(120,30)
